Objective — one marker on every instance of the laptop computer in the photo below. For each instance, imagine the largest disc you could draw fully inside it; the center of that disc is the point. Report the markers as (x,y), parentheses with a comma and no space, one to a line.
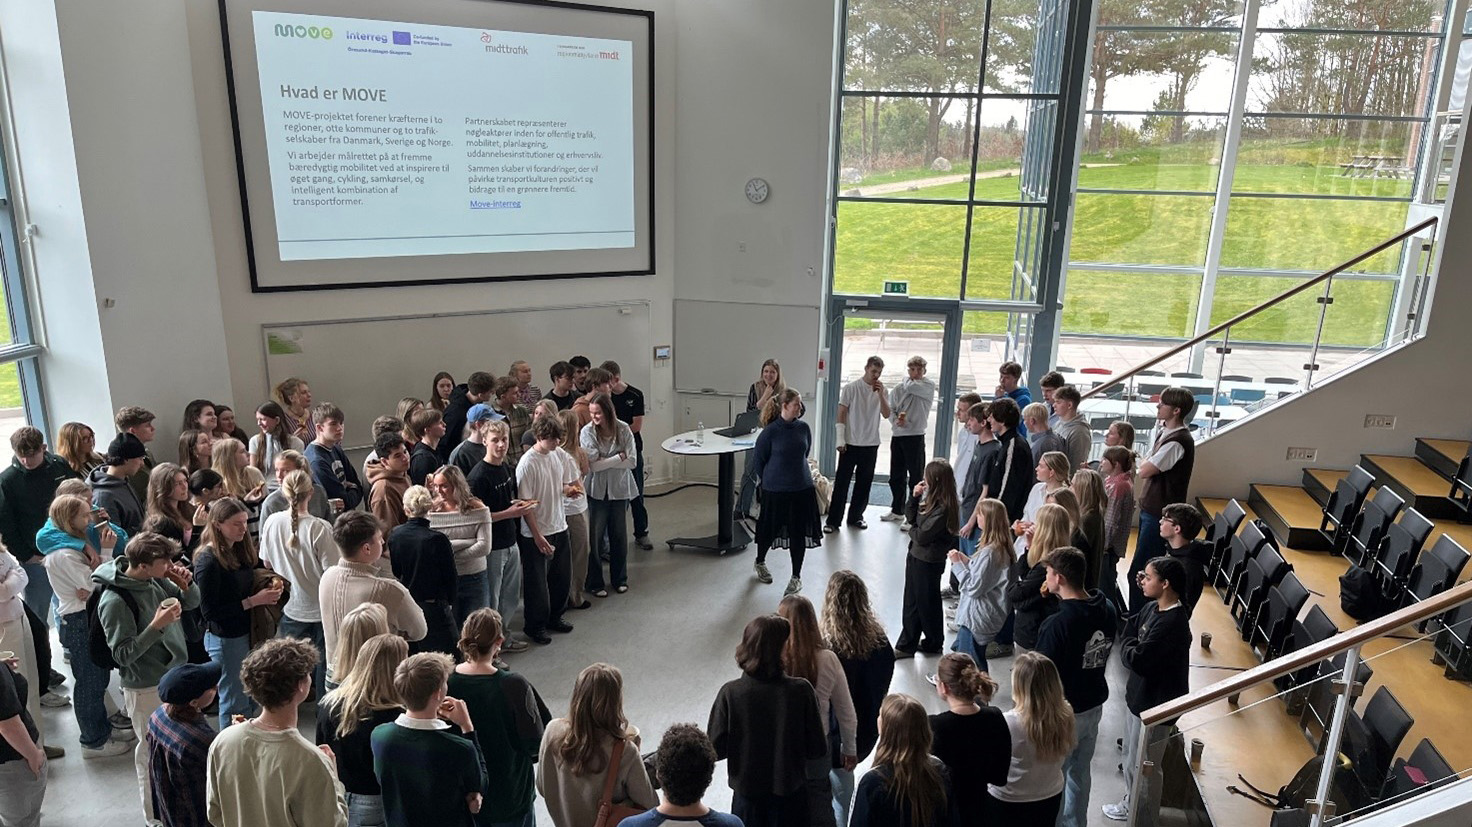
(747,422)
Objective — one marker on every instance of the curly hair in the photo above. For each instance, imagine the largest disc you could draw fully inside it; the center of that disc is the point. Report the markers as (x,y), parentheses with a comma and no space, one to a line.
(273,672)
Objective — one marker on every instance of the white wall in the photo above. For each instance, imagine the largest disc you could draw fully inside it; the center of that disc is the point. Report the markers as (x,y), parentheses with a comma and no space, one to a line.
(150,216)
(1425,385)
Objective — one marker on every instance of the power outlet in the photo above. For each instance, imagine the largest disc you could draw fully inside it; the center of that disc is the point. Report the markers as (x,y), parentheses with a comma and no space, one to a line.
(1385,421)
(1303,454)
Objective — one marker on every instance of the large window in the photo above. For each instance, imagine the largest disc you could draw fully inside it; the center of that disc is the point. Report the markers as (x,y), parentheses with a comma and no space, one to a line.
(20,399)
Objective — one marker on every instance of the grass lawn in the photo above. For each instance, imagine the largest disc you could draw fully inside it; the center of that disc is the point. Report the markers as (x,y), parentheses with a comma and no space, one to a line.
(9,374)
(924,244)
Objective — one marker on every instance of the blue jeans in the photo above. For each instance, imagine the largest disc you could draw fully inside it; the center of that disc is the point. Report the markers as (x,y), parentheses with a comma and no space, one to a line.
(472,591)
(313,632)
(966,645)
(1077,780)
(1147,546)
(229,653)
(365,810)
(91,682)
(503,580)
(38,591)
(843,793)
(608,518)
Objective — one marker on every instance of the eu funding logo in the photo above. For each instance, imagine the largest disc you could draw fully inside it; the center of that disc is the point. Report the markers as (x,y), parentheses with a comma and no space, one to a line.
(304,32)
(403,39)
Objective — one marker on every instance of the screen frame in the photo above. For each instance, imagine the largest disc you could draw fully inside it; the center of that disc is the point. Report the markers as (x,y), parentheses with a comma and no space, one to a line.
(250,251)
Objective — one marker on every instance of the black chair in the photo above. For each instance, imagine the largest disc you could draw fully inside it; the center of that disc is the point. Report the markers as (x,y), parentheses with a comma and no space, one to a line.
(1314,627)
(1367,532)
(1223,527)
(1388,722)
(1237,377)
(1186,374)
(1264,571)
(1428,763)
(1280,380)
(1318,705)
(1274,622)
(1151,388)
(1244,546)
(1403,543)
(1461,494)
(1436,572)
(1452,642)
(1150,373)
(1344,503)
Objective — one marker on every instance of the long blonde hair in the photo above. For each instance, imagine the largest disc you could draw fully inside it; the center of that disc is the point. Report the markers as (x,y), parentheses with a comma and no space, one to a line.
(1069,501)
(465,502)
(369,686)
(1057,462)
(1037,695)
(223,461)
(904,746)
(940,492)
(1088,486)
(800,655)
(571,436)
(67,511)
(996,531)
(69,447)
(360,623)
(596,711)
(1051,529)
(849,623)
(297,489)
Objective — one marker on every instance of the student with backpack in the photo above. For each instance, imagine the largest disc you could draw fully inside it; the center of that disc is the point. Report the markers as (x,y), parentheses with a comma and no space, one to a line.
(133,627)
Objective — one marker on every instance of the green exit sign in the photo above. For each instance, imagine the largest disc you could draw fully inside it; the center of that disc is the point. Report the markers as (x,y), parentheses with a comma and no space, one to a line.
(896,288)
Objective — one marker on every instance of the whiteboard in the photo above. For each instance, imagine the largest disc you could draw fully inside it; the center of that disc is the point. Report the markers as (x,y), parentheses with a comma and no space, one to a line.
(365,366)
(720,346)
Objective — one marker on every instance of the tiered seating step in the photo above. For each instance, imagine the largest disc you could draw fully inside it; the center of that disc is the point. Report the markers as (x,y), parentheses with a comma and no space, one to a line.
(1212,506)
(1423,488)
(1320,482)
(1442,455)
(1292,513)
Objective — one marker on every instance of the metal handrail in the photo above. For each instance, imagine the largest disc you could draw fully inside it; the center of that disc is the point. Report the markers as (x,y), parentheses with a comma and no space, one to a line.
(1323,650)
(1119,378)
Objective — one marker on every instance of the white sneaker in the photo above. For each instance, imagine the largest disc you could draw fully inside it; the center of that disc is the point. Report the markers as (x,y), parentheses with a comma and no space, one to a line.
(1118,812)
(793,587)
(107,750)
(124,735)
(55,699)
(904,524)
(952,628)
(763,574)
(891,517)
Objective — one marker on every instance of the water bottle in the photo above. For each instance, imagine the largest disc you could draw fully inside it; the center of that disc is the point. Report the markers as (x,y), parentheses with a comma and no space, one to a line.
(700,433)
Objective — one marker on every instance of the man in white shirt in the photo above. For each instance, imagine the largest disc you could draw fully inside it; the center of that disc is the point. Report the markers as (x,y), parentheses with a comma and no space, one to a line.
(1072,427)
(965,441)
(862,403)
(909,405)
(543,478)
(1165,476)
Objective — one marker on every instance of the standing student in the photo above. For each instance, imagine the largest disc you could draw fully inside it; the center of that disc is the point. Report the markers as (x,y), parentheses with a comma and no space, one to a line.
(1009,386)
(439,390)
(295,398)
(355,580)
(508,723)
(131,419)
(227,426)
(429,774)
(272,440)
(853,632)
(546,558)
(1165,477)
(466,521)
(475,391)
(768,386)
(470,452)
(978,424)
(1071,425)
(1052,474)
(23,765)
(575,508)
(628,406)
(424,561)
(329,463)
(242,480)
(1117,468)
(76,444)
(790,501)
(1026,592)
(965,441)
(1040,437)
(406,408)
(225,568)
(765,726)
(581,367)
(1156,649)
(300,548)
(1180,523)
(862,403)
(1093,502)
(200,415)
(562,392)
(143,634)
(935,514)
(27,487)
(1077,638)
(168,497)
(504,401)
(807,657)
(684,765)
(1009,473)
(909,405)
(358,626)
(17,636)
(428,427)
(611,450)
(194,449)
(383,425)
(908,787)
(598,381)
(347,716)
(286,462)
(388,478)
(527,393)
(1042,729)
(110,487)
(971,737)
(495,485)
(593,742)
(264,771)
(179,738)
(982,581)
(1050,383)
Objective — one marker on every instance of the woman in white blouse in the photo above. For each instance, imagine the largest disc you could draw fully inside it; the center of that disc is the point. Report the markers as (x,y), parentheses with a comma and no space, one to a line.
(807,656)
(298,546)
(609,445)
(467,522)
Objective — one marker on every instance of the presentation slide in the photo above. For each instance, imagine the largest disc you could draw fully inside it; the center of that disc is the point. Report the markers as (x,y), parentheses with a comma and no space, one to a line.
(383,150)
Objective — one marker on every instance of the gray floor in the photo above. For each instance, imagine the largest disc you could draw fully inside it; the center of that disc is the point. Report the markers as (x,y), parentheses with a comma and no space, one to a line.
(673,635)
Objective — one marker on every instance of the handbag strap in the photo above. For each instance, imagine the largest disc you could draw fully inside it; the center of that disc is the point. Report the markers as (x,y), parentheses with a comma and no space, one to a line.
(614,761)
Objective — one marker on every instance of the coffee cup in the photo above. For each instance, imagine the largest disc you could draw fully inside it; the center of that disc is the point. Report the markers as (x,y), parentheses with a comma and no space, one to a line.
(1206,640)
(1197,747)
(7,655)
(168,603)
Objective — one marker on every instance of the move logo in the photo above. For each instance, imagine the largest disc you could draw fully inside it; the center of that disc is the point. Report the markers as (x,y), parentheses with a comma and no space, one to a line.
(304,32)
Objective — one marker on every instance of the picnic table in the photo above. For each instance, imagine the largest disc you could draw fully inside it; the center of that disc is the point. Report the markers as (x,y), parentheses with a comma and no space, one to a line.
(1374,166)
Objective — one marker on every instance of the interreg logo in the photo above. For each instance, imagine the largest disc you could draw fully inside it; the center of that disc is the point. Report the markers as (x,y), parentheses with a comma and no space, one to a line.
(304,32)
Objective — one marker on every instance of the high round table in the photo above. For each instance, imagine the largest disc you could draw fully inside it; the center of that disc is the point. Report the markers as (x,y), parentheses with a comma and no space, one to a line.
(730,535)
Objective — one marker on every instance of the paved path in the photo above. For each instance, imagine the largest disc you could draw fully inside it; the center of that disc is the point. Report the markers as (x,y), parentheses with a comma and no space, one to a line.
(941,180)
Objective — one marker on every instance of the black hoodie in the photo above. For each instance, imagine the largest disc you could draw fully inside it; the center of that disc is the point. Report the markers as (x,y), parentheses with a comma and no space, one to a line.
(1156,648)
(1077,638)
(25,496)
(456,409)
(117,496)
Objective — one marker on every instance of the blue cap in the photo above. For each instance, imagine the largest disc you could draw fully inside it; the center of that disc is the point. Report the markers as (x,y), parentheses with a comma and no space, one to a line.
(482,413)
(187,682)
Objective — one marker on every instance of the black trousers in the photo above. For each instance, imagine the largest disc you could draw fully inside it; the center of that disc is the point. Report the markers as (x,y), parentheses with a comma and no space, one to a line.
(442,632)
(789,810)
(41,639)
(545,581)
(1024,814)
(855,462)
(922,611)
(906,468)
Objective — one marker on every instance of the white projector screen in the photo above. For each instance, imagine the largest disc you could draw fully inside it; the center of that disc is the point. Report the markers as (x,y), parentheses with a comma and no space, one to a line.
(382,143)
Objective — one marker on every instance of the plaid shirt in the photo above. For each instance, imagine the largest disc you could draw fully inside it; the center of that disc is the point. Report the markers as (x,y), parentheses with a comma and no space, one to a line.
(178,755)
(518,420)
